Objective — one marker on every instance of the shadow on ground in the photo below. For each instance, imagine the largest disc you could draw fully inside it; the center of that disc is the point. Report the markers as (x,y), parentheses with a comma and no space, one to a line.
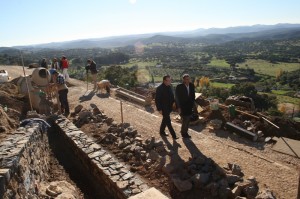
(103,95)
(185,171)
(88,95)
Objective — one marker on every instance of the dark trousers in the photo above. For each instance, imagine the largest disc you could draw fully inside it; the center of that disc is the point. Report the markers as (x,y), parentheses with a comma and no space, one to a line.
(185,124)
(63,98)
(166,121)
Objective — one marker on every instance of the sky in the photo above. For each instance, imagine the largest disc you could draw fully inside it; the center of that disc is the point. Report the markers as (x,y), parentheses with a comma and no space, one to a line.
(25,22)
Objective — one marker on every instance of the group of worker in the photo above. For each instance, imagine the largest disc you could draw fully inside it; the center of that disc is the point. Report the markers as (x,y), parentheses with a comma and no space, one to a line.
(60,80)
(62,65)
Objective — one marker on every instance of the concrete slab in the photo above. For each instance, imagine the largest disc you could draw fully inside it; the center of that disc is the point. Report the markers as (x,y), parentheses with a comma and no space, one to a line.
(150,194)
(287,146)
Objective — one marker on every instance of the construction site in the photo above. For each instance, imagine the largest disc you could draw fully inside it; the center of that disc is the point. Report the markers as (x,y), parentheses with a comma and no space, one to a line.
(110,146)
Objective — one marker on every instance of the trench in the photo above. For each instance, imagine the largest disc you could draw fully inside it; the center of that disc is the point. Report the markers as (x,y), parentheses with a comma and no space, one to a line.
(81,176)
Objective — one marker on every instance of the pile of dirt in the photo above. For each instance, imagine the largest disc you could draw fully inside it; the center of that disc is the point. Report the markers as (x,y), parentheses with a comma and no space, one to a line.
(13,107)
(10,98)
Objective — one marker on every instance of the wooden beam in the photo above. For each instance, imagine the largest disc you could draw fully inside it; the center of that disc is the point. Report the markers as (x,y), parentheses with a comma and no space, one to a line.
(241,112)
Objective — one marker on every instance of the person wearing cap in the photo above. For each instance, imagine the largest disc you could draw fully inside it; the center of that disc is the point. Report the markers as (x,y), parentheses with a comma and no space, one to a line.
(185,98)
(63,90)
(93,68)
(164,100)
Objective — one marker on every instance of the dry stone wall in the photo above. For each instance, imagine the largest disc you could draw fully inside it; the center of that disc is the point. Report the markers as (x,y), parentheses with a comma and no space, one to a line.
(107,171)
(23,162)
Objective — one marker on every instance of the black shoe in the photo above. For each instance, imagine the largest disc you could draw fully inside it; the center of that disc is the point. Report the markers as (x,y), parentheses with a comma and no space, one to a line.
(186,136)
(164,134)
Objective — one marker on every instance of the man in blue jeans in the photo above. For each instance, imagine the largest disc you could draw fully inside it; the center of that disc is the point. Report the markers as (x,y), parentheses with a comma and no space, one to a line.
(164,102)
(185,98)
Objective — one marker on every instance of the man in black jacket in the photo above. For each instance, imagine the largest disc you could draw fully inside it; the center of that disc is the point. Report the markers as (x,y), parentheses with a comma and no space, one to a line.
(164,102)
(93,68)
(185,98)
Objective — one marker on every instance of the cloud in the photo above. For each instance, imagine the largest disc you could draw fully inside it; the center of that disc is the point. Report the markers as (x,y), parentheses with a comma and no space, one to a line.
(132,1)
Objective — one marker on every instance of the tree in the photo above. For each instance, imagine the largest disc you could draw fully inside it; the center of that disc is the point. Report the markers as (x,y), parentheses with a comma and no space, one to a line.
(248,89)
(120,76)
(204,82)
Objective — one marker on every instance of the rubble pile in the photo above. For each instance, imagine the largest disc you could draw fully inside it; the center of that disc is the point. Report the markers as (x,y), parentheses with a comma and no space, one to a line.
(245,118)
(160,164)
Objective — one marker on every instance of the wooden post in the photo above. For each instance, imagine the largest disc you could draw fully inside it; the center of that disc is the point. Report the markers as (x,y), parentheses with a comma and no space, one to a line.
(299,184)
(121,104)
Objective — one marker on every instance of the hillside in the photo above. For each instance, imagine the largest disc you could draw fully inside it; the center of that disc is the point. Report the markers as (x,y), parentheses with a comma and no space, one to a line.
(207,36)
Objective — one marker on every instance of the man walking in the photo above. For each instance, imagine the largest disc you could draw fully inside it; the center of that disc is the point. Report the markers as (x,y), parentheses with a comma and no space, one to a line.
(93,68)
(164,101)
(185,98)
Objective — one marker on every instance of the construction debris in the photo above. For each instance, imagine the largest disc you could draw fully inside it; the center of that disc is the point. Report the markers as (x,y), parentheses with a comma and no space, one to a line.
(240,131)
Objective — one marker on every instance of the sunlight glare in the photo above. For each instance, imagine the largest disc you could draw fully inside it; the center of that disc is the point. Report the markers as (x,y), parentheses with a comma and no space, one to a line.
(132,1)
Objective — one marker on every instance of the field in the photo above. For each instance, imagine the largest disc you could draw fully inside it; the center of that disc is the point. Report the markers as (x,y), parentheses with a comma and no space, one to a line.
(259,66)
(140,64)
(221,85)
(267,68)
(287,99)
(280,92)
(218,63)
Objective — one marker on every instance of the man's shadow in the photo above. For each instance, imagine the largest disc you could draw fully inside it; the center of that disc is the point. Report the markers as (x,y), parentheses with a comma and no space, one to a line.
(87,97)
(103,95)
(182,169)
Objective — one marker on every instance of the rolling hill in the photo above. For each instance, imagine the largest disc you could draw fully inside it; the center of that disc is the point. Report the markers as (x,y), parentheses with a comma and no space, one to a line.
(205,36)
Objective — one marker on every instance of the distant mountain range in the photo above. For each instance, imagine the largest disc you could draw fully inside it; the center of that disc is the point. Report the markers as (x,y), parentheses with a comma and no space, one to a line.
(206,36)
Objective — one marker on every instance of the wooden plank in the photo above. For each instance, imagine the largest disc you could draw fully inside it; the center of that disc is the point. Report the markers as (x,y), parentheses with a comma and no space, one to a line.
(241,112)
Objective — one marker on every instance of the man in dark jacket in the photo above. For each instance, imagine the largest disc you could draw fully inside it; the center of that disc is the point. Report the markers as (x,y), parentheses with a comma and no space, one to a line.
(164,102)
(44,63)
(185,98)
(93,68)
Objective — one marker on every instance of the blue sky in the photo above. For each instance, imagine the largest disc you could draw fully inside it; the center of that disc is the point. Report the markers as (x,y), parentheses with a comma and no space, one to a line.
(26,22)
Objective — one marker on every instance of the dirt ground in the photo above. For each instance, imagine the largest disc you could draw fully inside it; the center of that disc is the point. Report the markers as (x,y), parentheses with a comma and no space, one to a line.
(278,172)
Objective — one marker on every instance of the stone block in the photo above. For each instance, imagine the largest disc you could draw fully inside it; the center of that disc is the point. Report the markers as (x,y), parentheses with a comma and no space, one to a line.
(127,176)
(122,184)
(149,194)
(105,158)
(97,154)
(6,174)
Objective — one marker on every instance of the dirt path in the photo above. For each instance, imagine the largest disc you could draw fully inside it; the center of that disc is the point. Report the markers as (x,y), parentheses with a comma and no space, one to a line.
(277,171)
